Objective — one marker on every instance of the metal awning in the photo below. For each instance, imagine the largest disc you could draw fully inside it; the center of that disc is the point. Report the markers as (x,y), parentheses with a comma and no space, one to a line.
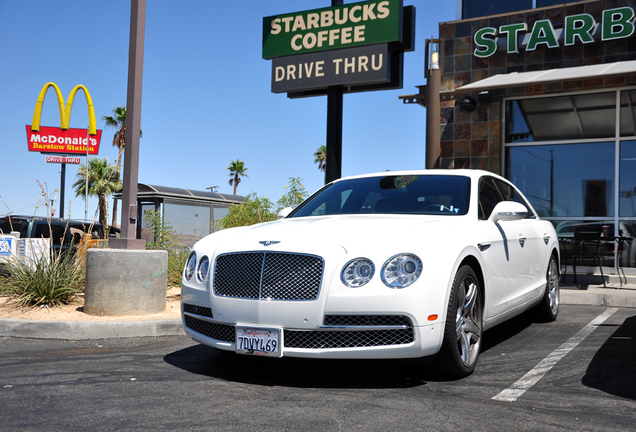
(517,79)
(153,192)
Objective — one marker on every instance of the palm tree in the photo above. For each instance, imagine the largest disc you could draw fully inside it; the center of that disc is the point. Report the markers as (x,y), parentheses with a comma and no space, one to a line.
(118,121)
(103,180)
(237,170)
(321,158)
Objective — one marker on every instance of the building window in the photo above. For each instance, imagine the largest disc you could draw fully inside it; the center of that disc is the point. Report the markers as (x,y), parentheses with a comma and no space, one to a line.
(567,180)
(480,8)
(627,207)
(483,8)
(563,118)
(576,166)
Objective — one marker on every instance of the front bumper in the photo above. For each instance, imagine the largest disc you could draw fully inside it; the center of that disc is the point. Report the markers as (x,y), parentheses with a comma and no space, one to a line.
(341,336)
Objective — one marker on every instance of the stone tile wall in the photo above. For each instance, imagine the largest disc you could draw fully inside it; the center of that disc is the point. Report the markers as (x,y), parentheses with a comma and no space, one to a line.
(474,139)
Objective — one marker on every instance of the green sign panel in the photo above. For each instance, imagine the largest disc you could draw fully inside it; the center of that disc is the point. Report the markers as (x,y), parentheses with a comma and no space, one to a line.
(346,26)
(614,24)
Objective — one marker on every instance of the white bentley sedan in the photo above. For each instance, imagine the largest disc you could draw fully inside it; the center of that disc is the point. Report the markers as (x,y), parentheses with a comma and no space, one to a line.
(390,265)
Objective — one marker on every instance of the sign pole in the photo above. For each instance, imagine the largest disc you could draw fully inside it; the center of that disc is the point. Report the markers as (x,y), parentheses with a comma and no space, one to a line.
(62,181)
(86,186)
(333,170)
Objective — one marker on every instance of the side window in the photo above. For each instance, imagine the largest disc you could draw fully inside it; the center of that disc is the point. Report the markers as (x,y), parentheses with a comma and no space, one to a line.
(56,233)
(489,197)
(509,193)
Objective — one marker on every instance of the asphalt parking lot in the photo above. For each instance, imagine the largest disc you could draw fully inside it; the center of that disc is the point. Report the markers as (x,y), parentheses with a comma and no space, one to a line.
(578,373)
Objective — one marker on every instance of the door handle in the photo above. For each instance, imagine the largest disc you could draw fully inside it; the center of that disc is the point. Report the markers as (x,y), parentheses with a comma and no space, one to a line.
(522,240)
(546,239)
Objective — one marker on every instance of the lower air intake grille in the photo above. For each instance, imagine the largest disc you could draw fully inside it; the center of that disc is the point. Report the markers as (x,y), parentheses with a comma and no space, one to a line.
(198,310)
(367,320)
(221,332)
(322,339)
(347,339)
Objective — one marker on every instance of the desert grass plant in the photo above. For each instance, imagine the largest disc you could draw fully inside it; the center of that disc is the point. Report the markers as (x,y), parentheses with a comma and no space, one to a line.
(42,282)
(52,277)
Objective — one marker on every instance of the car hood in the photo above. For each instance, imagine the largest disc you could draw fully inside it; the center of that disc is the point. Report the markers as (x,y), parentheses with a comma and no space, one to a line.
(346,231)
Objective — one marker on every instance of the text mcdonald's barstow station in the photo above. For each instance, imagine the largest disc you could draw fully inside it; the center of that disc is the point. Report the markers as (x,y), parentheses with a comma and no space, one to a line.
(63,140)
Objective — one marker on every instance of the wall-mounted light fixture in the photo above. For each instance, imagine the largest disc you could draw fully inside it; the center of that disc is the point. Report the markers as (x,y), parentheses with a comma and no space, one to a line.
(484,98)
(468,104)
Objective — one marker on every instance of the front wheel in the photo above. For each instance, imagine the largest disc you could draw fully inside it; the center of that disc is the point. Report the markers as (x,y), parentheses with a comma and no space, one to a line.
(463,330)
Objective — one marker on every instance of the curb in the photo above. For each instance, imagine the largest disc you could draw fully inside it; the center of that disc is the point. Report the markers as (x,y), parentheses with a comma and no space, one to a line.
(599,297)
(83,330)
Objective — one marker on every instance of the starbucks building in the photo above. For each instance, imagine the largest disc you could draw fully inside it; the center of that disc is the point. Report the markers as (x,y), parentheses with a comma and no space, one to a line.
(544,93)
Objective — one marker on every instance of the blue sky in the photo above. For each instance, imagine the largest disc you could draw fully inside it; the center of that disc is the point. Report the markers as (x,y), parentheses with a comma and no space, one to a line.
(206,97)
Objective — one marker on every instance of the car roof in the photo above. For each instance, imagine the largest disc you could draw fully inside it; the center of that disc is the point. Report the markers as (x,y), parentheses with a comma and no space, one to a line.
(53,219)
(472,173)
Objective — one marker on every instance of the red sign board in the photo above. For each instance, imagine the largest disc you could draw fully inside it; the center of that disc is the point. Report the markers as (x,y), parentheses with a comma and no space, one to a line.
(55,140)
(63,159)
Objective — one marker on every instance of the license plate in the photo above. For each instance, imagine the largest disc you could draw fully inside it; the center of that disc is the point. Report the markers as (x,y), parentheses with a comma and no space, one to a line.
(258,341)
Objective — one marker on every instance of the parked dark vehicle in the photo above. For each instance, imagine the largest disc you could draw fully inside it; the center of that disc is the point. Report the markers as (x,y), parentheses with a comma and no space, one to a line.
(63,232)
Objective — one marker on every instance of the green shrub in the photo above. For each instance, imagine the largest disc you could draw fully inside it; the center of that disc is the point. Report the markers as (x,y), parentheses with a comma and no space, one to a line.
(45,282)
(177,258)
(251,211)
(257,210)
(164,235)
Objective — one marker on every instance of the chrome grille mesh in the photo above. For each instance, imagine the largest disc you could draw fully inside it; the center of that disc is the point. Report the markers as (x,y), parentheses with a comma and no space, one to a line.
(321,339)
(367,320)
(268,275)
(221,332)
(347,339)
(198,310)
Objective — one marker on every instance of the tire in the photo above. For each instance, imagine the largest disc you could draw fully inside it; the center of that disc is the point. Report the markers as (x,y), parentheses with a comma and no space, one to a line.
(548,309)
(463,330)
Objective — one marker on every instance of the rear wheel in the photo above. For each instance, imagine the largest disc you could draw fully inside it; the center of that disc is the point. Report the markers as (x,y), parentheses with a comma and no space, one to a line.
(463,330)
(548,309)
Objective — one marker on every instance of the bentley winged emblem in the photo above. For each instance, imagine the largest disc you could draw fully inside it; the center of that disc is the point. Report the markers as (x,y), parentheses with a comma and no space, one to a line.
(268,242)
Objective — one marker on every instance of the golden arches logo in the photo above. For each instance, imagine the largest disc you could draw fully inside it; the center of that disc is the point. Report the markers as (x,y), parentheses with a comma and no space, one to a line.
(65,113)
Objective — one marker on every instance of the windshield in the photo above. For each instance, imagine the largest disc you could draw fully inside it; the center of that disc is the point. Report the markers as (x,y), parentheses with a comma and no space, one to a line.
(412,194)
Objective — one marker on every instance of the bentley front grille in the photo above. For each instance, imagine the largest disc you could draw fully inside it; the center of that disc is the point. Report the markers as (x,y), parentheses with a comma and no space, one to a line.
(268,275)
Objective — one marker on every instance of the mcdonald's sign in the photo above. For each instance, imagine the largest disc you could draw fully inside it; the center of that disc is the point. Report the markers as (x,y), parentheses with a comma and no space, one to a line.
(63,140)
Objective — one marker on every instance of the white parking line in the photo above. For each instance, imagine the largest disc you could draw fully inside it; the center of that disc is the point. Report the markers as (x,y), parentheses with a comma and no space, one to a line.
(513,392)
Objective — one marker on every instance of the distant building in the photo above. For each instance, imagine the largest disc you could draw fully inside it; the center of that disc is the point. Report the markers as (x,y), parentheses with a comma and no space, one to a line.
(192,214)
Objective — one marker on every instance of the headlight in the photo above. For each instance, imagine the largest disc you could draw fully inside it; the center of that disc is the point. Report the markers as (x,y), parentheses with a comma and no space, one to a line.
(401,270)
(188,272)
(204,267)
(357,272)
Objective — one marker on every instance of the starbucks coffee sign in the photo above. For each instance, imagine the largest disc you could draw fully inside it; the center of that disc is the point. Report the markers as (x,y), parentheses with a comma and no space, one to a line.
(582,28)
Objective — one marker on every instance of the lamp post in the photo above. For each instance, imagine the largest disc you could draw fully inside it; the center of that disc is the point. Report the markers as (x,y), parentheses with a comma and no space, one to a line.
(129,211)
(433,106)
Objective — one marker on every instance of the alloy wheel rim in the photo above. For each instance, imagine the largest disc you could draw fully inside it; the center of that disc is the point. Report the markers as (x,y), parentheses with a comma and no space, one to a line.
(553,290)
(468,321)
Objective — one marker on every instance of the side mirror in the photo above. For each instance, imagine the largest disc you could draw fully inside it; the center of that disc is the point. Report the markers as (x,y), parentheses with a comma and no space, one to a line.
(508,211)
(284,213)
